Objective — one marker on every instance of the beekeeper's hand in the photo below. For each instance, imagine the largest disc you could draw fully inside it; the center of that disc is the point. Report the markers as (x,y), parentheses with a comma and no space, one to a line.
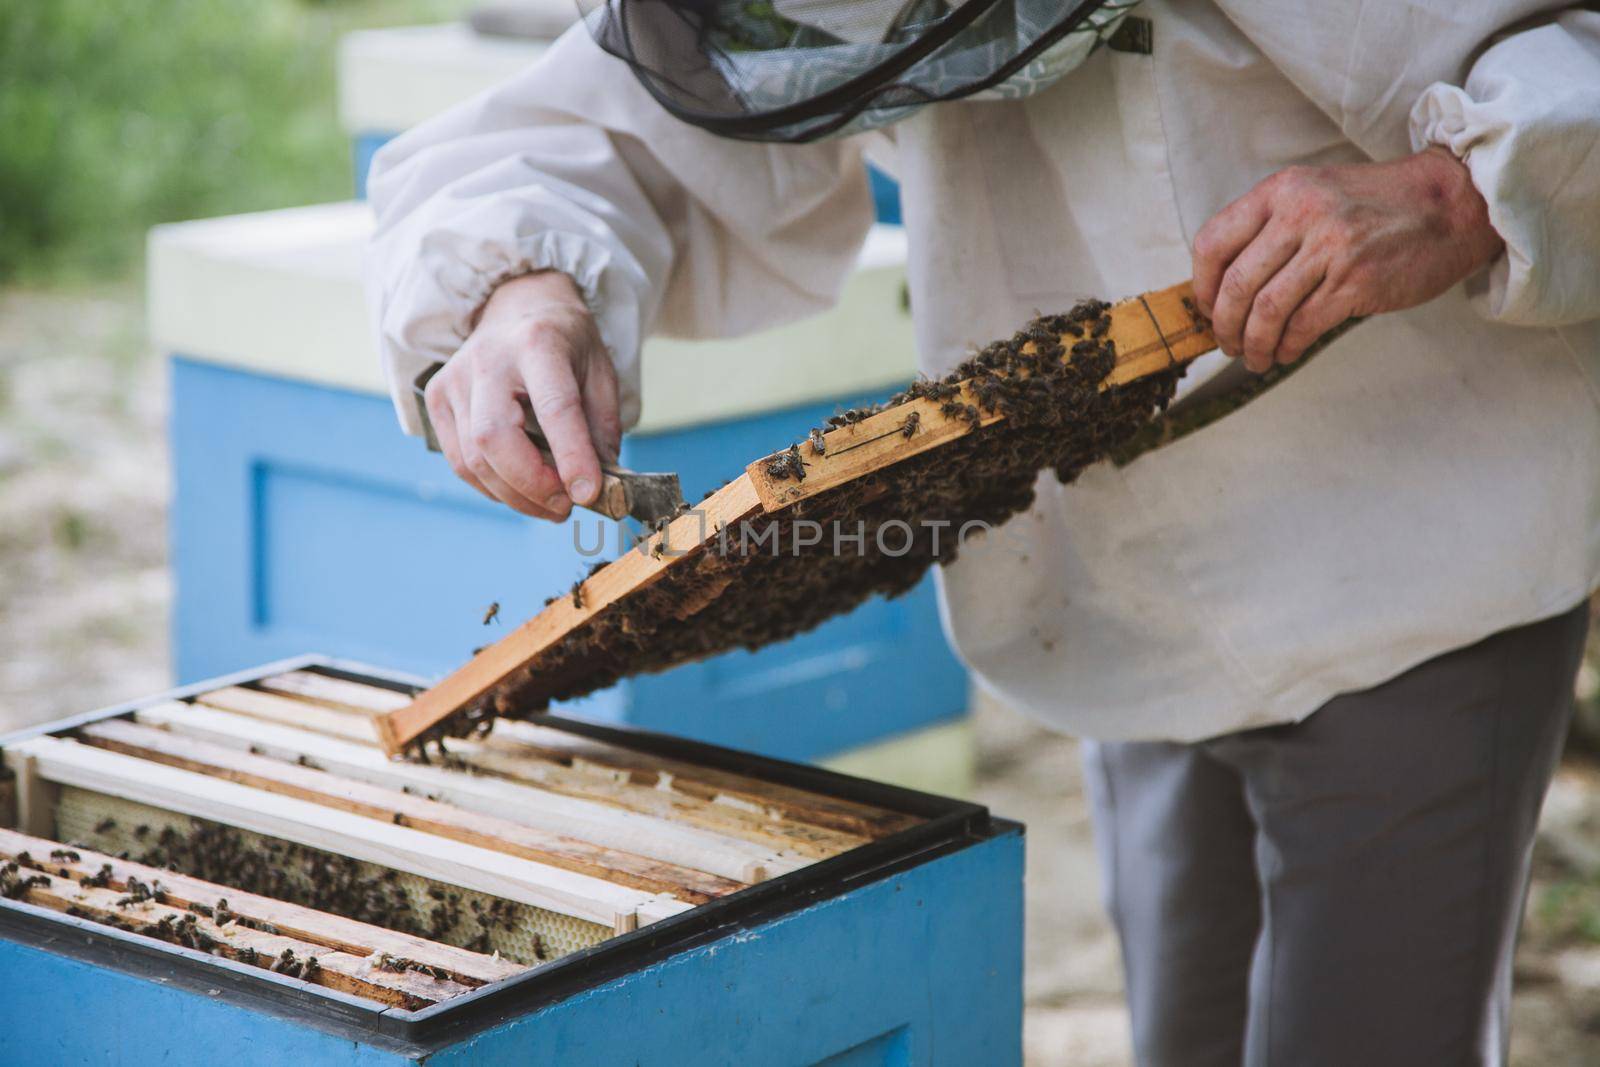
(1310,247)
(533,340)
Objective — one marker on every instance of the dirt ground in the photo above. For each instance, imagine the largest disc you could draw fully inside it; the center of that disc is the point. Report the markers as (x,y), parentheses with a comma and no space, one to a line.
(84,592)
(83,485)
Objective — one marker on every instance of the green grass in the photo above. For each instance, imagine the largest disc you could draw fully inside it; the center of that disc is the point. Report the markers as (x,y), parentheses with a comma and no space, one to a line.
(116,116)
(1568,911)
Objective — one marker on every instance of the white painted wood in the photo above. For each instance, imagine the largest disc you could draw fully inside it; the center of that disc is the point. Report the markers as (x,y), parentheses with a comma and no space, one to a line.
(390,79)
(287,711)
(36,798)
(602,824)
(338,693)
(611,785)
(70,763)
(274,291)
(662,907)
(280,292)
(934,759)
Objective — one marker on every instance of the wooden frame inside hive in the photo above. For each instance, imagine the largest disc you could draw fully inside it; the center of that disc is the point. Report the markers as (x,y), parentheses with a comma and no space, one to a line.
(567,828)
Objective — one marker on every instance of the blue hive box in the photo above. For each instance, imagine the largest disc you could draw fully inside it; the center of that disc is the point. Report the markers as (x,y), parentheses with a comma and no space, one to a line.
(905,950)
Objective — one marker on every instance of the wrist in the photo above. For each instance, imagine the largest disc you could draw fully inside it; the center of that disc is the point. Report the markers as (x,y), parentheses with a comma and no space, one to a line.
(1445,184)
(519,296)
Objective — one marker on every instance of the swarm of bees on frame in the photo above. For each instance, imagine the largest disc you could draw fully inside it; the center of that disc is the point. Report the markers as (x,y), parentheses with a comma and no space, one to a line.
(14,884)
(295,874)
(1056,417)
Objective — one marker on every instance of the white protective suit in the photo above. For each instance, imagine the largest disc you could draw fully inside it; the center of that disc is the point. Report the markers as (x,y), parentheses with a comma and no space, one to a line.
(1430,479)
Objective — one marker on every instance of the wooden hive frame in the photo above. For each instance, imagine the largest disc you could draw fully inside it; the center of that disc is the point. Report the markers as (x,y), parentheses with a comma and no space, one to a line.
(246,927)
(586,828)
(1152,333)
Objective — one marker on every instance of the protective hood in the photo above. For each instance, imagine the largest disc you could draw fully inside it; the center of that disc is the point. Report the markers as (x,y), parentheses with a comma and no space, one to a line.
(803,70)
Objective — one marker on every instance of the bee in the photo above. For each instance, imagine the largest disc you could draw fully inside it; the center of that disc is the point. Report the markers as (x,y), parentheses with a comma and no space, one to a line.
(577,594)
(788,464)
(105,826)
(909,427)
(989,393)
(491,613)
(818,445)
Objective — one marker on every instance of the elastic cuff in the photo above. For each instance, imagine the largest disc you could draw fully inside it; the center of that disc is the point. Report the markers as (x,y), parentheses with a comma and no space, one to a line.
(603,283)
(579,258)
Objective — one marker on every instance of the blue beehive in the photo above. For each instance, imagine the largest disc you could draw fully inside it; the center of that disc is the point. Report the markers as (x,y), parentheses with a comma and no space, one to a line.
(904,949)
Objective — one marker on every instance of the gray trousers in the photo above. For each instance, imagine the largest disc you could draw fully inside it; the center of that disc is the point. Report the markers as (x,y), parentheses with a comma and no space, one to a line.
(1343,890)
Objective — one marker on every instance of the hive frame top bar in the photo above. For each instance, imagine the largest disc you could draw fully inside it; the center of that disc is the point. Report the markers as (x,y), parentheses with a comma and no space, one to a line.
(947,826)
(1152,332)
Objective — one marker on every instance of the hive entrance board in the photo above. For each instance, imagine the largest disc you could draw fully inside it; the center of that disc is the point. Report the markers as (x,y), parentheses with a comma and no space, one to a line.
(742,570)
(260,822)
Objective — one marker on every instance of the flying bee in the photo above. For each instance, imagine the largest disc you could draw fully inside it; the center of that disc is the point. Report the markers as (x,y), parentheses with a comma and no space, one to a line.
(491,613)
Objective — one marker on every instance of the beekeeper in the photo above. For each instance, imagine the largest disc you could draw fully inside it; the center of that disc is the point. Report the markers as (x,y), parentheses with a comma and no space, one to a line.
(1325,645)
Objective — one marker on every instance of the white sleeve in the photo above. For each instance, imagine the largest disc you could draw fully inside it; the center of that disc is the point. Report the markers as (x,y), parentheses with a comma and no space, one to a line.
(574,167)
(1527,124)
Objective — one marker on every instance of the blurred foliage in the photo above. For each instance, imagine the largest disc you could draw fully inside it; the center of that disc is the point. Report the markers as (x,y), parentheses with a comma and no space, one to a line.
(1568,911)
(116,116)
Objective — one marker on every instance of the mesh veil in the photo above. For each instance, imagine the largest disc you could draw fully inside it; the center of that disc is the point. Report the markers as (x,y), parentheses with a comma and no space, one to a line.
(802,70)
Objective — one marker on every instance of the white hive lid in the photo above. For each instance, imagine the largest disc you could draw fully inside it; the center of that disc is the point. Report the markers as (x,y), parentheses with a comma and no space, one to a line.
(392,79)
(280,292)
